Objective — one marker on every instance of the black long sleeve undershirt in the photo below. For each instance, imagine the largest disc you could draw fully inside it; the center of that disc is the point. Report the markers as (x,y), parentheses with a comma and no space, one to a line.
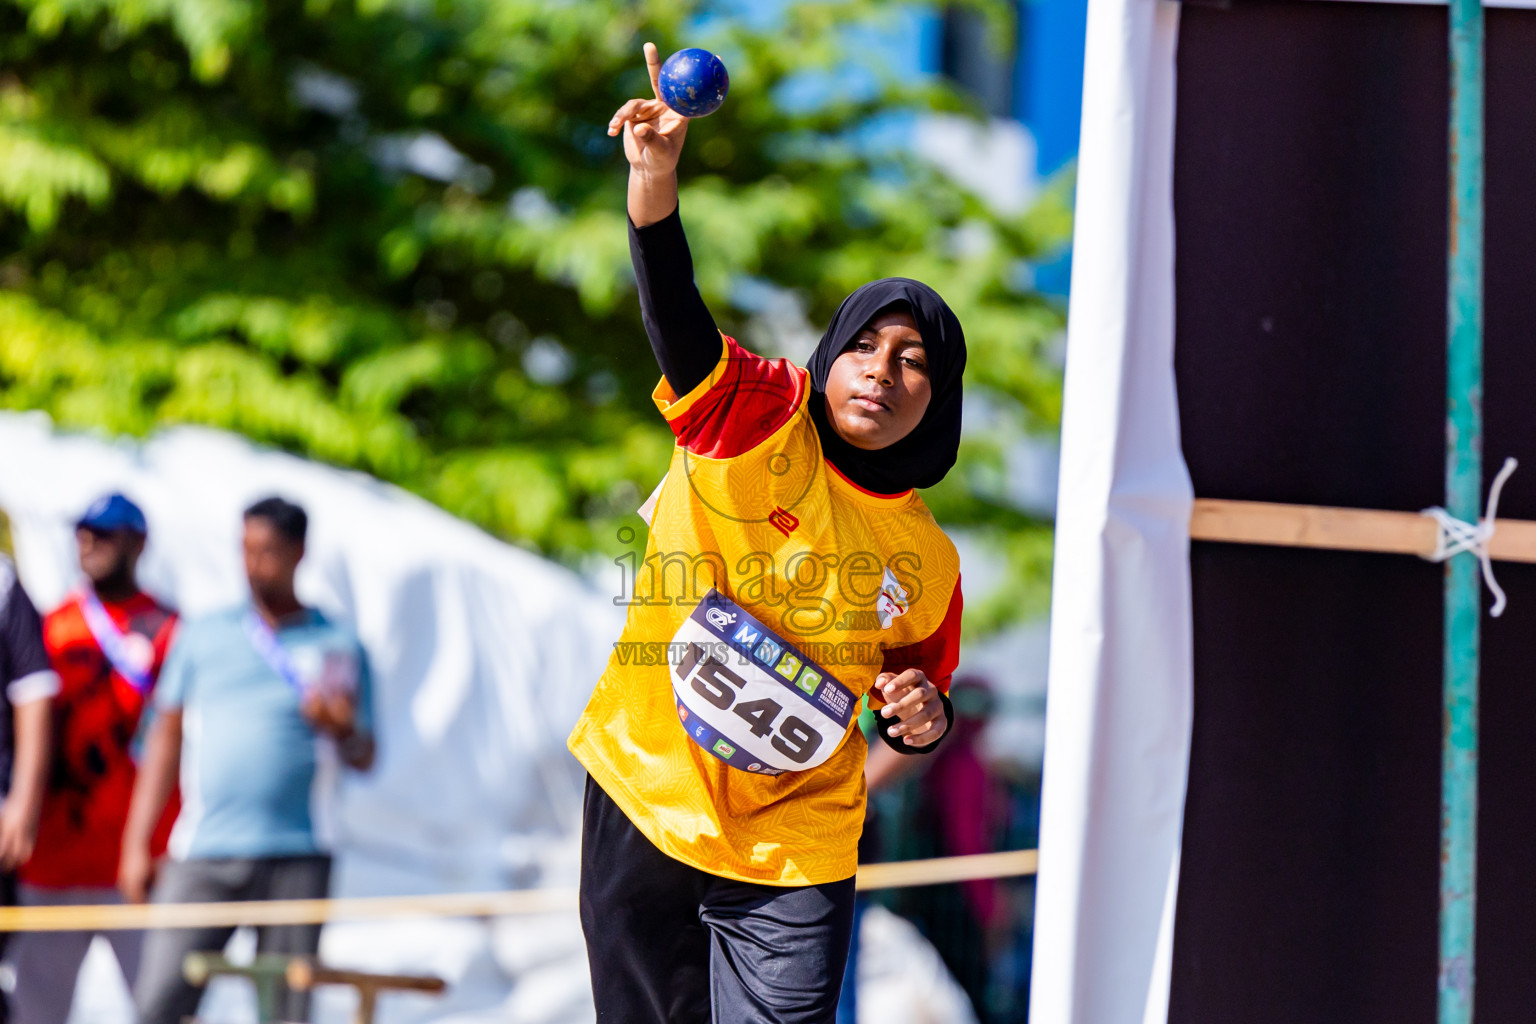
(683,334)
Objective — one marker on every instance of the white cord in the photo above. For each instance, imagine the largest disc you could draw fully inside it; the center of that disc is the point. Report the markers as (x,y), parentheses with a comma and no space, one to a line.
(1457,535)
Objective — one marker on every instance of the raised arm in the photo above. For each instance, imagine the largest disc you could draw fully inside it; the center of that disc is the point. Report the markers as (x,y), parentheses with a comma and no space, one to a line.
(682,333)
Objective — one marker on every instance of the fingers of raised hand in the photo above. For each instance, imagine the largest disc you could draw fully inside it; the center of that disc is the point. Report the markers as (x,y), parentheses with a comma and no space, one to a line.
(637,112)
(653,65)
(624,115)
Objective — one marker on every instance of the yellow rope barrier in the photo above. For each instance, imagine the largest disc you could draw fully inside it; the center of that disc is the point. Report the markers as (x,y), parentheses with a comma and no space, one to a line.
(113,917)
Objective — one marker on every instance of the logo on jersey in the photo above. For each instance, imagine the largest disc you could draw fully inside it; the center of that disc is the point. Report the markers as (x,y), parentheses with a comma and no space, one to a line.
(782,521)
(892,601)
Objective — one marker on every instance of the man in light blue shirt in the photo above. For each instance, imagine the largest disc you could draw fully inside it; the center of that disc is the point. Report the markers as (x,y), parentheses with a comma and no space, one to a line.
(256,708)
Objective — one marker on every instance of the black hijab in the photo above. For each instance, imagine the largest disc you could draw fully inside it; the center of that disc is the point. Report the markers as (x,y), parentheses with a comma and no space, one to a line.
(922,457)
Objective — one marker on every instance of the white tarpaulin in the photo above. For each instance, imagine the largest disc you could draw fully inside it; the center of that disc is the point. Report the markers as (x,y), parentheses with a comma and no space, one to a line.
(1119,693)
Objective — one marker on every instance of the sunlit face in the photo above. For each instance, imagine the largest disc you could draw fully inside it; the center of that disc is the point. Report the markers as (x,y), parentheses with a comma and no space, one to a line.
(878,387)
(271,559)
(107,555)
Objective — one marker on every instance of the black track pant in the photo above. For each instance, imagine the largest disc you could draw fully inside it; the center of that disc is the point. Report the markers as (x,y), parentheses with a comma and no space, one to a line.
(670,944)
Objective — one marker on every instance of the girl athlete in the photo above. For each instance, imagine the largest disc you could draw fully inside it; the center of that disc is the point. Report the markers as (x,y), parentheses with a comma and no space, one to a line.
(791,569)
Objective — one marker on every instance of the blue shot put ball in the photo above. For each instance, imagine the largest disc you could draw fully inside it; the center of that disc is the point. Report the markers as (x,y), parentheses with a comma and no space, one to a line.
(694,82)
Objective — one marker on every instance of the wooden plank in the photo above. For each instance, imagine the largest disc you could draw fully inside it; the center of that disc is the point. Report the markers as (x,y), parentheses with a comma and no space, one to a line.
(1312,526)
(903,873)
(107,917)
(1514,540)
(304,973)
(1342,529)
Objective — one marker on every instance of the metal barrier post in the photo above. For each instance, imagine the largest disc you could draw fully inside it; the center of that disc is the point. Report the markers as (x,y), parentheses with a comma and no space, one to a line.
(1463,486)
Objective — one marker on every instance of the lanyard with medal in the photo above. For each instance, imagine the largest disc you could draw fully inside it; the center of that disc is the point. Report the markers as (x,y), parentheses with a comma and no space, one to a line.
(131,654)
(276,656)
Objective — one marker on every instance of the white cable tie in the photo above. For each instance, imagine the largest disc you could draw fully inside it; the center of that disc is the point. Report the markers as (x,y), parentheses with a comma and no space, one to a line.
(1456,536)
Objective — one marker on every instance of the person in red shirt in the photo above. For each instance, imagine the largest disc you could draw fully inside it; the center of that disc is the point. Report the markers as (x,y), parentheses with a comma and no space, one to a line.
(106,642)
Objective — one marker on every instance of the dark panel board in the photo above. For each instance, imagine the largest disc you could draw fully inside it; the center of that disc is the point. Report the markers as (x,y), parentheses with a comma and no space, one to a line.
(1310,203)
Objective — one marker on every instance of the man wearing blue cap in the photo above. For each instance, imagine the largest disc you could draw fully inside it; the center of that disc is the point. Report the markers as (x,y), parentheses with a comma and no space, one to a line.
(106,641)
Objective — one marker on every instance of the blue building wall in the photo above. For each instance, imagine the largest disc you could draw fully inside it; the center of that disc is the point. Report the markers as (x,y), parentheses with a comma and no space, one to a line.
(1050,78)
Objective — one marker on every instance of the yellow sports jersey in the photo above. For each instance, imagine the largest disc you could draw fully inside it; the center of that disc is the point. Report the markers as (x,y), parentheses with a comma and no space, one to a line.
(772,593)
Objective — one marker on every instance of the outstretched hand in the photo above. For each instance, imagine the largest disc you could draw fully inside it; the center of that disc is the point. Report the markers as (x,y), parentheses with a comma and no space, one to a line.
(653,141)
(653,131)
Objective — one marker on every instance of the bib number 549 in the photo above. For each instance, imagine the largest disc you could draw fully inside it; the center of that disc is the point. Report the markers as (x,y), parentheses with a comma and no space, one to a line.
(717,684)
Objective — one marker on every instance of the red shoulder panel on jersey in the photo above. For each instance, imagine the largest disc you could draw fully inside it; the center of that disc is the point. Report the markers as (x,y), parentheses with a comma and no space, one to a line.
(745,400)
(939,654)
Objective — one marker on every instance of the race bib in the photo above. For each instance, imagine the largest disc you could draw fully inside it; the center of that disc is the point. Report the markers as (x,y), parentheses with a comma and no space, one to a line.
(750,697)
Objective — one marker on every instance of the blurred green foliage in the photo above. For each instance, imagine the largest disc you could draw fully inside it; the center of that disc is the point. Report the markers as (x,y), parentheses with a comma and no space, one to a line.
(389,234)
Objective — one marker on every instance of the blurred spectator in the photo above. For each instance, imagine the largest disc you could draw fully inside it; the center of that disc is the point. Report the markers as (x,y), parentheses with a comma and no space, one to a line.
(107,642)
(883,767)
(962,810)
(244,698)
(1009,993)
(27,688)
